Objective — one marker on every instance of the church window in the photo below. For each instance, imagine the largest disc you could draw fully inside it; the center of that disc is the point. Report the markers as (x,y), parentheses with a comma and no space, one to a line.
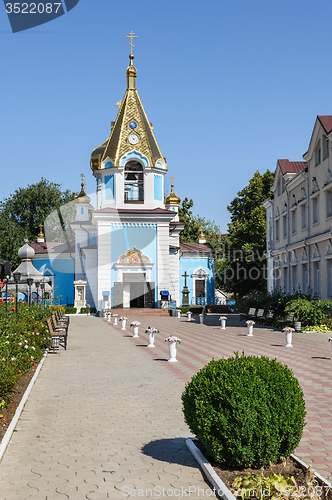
(82,211)
(134,183)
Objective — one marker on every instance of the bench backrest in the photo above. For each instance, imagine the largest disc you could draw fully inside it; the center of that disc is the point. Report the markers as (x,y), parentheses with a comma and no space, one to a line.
(252,311)
(290,316)
(260,313)
(49,326)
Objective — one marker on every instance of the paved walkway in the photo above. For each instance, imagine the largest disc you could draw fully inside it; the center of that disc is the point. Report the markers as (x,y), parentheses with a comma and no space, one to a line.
(104,418)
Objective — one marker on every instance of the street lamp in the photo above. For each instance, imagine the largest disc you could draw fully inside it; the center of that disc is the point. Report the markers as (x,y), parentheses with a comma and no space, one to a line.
(42,286)
(17,277)
(30,281)
(37,287)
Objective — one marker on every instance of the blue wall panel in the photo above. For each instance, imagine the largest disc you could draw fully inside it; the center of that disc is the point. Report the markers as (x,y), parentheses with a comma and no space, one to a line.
(158,187)
(109,187)
(63,270)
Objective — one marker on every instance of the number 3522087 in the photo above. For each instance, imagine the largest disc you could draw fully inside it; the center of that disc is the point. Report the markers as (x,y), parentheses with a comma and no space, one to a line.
(32,8)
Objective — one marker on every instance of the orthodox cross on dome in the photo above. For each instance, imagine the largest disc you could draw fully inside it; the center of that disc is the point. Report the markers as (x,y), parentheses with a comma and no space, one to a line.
(131,36)
(40,235)
(83,181)
(172,177)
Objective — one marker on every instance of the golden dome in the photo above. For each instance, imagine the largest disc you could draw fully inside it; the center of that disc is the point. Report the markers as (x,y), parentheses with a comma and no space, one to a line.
(172,199)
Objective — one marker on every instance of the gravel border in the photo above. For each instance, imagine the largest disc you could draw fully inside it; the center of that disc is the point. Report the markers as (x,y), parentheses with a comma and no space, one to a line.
(9,432)
(218,486)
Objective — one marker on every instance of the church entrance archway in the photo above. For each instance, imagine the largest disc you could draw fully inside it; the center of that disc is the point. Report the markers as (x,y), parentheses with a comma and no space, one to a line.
(134,288)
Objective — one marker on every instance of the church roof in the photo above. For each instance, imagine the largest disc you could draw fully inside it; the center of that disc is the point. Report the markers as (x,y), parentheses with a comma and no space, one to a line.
(50,247)
(131,119)
(196,248)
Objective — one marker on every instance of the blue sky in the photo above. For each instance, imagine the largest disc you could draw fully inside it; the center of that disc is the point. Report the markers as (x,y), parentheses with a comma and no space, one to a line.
(230,87)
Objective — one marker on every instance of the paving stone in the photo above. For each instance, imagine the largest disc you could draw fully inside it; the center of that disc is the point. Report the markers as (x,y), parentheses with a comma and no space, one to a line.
(113,418)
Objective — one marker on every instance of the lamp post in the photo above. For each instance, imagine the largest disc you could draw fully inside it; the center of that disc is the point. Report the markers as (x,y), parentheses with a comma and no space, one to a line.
(37,287)
(29,281)
(17,277)
(42,286)
(6,279)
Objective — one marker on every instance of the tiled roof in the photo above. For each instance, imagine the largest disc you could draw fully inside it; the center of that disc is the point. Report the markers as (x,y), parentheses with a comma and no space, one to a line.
(292,167)
(326,122)
(49,247)
(196,248)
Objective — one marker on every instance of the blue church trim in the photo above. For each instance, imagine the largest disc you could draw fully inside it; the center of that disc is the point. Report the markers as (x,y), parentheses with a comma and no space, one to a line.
(136,156)
(109,187)
(158,187)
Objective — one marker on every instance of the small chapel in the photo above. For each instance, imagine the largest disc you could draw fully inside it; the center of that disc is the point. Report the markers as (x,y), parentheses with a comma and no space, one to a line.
(126,250)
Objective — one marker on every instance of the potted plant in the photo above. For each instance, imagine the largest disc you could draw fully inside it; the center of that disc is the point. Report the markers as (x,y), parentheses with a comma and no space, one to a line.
(115,316)
(172,345)
(250,325)
(135,325)
(151,332)
(178,312)
(201,318)
(223,322)
(289,332)
(330,340)
(123,320)
(189,313)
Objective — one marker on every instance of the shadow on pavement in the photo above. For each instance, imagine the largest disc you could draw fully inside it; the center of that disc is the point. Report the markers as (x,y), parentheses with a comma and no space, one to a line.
(172,450)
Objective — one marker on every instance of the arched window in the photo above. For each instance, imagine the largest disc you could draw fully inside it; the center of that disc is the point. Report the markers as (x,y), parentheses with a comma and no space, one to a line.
(133,183)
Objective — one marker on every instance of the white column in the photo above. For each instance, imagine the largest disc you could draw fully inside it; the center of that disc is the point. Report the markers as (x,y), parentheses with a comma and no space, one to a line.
(104,259)
(163,268)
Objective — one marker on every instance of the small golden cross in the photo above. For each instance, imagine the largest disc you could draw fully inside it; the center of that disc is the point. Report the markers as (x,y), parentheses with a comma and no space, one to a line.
(118,104)
(41,227)
(131,36)
(82,177)
(172,177)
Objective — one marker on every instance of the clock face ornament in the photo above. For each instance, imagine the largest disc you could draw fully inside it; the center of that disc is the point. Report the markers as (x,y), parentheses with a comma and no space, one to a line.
(132,124)
(133,139)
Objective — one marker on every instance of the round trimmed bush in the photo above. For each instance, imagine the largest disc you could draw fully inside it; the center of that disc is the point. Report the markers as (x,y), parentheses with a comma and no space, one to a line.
(247,411)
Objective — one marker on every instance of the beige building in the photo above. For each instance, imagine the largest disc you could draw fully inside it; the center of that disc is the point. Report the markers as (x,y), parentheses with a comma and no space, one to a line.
(299,219)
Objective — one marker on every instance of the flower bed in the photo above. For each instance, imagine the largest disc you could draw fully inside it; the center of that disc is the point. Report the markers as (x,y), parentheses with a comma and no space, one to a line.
(23,341)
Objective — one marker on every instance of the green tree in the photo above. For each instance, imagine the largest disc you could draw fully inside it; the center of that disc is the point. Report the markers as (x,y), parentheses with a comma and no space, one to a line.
(23,212)
(191,232)
(242,268)
(194,224)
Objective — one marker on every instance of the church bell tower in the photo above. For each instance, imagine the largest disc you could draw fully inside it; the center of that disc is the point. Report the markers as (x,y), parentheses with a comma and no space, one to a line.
(128,166)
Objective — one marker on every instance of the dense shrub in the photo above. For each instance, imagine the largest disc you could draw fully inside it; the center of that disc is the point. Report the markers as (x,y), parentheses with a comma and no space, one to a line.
(315,312)
(193,309)
(246,411)
(70,310)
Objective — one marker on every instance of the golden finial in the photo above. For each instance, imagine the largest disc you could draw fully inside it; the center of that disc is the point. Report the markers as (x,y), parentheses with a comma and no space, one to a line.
(131,36)
(118,104)
(201,236)
(40,235)
(172,198)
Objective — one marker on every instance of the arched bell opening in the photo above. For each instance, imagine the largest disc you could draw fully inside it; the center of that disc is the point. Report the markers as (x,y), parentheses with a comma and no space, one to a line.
(133,182)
